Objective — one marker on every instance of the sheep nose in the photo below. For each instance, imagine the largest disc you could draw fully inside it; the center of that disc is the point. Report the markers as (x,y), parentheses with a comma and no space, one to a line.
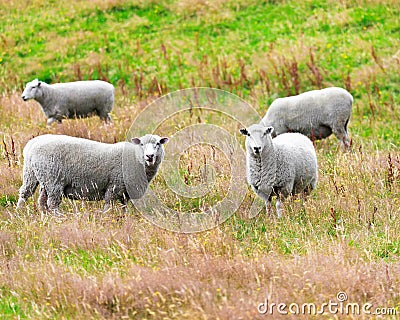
(257,149)
(150,157)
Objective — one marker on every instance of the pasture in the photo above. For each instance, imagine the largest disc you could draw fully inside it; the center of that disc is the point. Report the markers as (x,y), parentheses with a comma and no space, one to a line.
(344,238)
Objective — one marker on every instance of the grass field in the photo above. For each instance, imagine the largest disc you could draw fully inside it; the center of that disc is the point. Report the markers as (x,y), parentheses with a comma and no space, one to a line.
(344,238)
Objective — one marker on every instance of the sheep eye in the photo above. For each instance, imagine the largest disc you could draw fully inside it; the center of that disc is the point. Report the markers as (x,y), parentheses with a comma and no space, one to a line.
(157,144)
(141,144)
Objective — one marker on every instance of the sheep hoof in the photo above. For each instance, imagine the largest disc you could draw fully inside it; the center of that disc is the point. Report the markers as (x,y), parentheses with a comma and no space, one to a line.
(106,208)
(20,204)
(58,215)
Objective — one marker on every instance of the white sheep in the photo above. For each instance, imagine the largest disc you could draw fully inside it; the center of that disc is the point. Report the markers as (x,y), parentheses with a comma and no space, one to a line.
(315,113)
(283,166)
(72,99)
(78,168)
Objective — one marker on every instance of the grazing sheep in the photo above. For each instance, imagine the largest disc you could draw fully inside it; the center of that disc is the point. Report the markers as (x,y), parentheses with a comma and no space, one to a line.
(78,168)
(283,166)
(72,99)
(315,113)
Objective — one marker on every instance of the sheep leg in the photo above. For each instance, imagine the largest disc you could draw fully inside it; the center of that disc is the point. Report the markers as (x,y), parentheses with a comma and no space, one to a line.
(108,198)
(124,202)
(279,208)
(104,116)
(342,135)
(42,200)
(108,119)
(124,199)
(54,201)
(28,187)
(310,187)
(279,200)
(265,197)
(282,195)
(268,205)
(52,119)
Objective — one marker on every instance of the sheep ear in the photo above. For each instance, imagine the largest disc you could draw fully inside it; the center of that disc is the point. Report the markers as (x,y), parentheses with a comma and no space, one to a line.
(164,140)
(244,132)
(135,140)
(269,130)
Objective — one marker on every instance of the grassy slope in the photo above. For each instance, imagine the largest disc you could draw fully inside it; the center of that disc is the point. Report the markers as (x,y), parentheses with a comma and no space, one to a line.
(345,237)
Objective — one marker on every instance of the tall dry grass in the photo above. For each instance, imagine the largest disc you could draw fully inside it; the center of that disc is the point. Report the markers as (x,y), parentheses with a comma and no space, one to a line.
(150,273)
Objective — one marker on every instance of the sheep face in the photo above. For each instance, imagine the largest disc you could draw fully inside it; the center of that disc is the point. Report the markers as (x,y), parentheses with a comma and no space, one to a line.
(152,148)
(32,90)
(257,138)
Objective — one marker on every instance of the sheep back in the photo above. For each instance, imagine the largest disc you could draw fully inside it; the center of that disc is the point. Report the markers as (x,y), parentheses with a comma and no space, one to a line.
(85,169)
(314,113)
(83,97)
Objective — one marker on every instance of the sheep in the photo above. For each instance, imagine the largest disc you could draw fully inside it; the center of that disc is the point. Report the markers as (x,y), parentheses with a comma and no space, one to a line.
(72,99)
(78,168)
(283,166)
(315,113)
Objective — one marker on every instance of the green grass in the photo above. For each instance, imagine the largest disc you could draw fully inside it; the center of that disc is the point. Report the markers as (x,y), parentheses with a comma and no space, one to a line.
(118,42)
(6,200)
(9,306)
(344,237)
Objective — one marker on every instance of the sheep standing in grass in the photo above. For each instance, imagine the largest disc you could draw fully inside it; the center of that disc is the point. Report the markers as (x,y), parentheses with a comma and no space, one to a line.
(315,113)
(78,168)
(283,166)
(72,99)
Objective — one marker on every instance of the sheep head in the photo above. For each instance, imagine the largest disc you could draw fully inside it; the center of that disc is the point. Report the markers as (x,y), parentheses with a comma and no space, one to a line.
(257,138)
(153,150)
(32,90)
